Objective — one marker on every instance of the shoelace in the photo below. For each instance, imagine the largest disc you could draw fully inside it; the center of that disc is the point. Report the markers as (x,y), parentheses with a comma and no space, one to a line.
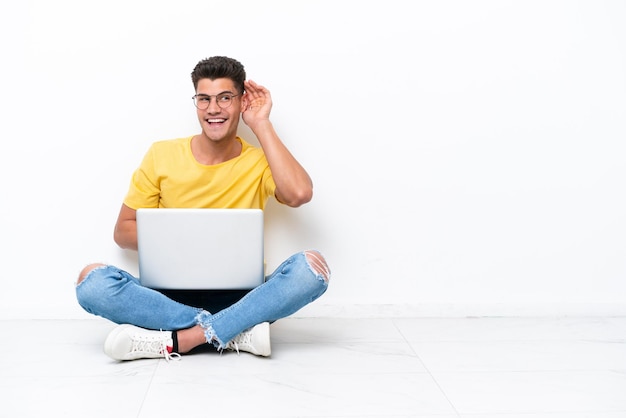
(157,346)
(170,356)
(245,338)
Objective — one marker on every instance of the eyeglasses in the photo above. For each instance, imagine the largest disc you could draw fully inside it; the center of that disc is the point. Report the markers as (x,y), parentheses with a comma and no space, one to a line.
(223,100)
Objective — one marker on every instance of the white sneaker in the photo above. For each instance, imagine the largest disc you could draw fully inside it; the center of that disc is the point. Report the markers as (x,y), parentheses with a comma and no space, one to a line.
(128,342)
(255,340)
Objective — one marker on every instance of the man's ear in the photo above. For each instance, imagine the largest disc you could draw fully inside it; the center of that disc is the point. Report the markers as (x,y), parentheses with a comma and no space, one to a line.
(244,102)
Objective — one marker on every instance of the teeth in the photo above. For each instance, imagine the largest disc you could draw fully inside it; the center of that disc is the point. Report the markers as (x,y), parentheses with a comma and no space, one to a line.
(215,120)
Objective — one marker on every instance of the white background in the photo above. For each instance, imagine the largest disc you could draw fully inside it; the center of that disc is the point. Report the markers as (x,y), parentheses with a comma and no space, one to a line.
(468,156)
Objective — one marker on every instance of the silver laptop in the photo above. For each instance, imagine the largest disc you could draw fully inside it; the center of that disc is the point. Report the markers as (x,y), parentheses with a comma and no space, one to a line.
(200,248)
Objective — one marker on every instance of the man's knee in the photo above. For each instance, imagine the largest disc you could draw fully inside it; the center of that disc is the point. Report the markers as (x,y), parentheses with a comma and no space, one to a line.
(84,272)
(318,263)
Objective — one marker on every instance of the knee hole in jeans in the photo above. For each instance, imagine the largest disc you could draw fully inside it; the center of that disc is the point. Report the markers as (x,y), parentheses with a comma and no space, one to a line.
(85,271)
(318,264)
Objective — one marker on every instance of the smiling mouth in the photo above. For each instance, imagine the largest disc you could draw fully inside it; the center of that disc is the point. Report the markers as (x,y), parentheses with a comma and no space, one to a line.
(215,120)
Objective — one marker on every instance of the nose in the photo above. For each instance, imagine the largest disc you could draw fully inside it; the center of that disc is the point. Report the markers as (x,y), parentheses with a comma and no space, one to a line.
(213,106)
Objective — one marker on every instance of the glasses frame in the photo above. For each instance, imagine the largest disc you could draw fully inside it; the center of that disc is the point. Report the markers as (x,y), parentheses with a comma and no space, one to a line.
(208,103)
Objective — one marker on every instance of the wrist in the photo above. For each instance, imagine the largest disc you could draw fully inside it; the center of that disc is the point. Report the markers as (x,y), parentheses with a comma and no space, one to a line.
(261,126)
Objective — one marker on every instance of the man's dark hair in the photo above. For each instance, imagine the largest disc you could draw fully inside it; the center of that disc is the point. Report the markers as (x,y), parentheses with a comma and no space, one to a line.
(219,67)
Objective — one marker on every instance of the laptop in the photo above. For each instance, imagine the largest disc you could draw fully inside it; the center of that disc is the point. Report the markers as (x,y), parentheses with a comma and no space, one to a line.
(200,248)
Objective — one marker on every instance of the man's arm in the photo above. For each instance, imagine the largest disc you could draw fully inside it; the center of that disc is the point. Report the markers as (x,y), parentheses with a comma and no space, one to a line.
(125,232)
(293,184)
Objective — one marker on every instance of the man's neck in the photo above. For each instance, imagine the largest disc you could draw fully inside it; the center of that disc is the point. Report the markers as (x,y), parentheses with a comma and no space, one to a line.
(209,152)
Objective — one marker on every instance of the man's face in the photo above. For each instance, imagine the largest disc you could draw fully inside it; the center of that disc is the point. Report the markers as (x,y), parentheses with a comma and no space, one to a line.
(219,120)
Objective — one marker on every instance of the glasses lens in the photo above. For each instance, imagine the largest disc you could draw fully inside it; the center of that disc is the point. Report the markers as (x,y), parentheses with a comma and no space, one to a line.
(223,100)
(201,102)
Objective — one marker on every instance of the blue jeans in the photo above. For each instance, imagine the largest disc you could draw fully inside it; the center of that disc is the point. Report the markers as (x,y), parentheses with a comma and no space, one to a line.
(116,295)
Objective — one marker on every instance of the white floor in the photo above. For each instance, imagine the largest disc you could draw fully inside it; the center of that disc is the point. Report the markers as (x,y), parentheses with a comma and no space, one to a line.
(480,367)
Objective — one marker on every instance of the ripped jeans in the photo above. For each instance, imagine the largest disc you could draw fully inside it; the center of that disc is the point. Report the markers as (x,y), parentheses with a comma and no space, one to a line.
(116,295)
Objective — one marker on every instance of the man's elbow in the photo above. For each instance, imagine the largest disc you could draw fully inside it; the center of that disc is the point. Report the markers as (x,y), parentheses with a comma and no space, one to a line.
(300,198)
(117,238)
(123,240)
(303,199)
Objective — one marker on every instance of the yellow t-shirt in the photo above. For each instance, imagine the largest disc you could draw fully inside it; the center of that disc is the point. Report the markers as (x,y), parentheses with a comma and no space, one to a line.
(170,177)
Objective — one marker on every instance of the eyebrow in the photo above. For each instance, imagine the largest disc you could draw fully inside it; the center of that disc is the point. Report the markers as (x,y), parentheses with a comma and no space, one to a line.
(211,95)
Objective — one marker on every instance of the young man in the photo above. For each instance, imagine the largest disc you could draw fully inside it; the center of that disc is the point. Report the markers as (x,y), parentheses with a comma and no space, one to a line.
(213,169)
